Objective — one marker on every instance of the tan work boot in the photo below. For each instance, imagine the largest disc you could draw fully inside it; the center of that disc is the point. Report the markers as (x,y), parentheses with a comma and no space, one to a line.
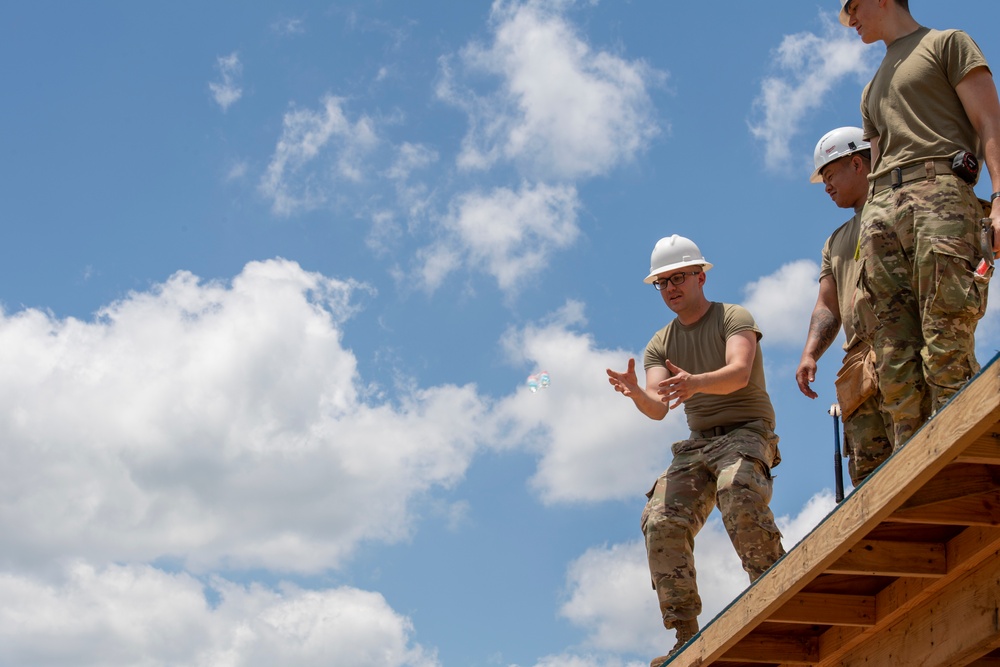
(685,631)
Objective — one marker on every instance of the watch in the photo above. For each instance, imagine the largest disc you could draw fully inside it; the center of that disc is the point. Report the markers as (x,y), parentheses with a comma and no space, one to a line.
(994,196)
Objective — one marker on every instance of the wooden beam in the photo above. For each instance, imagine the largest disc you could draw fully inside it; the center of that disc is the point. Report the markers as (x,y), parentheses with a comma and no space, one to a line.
(965,552)
(827,609)
(893,559)
(986,449)
(759,648)
(959,625)
(967,549)
(956,481)
(981,509)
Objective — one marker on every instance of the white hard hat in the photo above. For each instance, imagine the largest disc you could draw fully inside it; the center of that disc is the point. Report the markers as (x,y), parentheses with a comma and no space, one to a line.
(836,144)
(674,252)
(845,20)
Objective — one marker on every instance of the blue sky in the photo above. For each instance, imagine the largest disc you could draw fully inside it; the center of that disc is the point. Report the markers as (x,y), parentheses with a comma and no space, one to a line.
(273,278)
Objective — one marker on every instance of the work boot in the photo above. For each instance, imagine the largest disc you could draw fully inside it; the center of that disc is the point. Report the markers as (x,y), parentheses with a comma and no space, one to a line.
(685,631)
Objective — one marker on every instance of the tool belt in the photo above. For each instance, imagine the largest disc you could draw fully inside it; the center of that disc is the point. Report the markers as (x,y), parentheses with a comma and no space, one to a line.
(857,381)
(915,172)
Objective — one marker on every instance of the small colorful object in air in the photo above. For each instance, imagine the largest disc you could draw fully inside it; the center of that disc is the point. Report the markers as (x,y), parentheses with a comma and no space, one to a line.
(539,381)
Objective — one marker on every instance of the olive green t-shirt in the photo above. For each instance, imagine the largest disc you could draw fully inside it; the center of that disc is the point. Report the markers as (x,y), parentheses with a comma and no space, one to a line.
(911,103)
(840,263)
(700,348)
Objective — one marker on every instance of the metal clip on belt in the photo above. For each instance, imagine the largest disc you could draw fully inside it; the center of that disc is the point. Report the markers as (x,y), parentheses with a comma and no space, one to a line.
(915,172)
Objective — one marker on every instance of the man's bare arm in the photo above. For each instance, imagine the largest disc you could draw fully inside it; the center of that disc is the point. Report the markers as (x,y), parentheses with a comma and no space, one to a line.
(978,93)
(824,325)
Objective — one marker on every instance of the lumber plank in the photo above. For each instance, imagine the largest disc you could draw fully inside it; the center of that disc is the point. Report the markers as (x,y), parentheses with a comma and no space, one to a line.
(981,509)
(965,552)
(955,481)
(763,648)
(827,609)
(896,559)
(985,449)
(957,626)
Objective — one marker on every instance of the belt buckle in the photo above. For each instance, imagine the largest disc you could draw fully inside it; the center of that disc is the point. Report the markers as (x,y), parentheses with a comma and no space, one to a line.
(896,178)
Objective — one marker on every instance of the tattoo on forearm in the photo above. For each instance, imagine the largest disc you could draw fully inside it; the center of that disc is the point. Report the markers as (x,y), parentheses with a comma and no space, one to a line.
(823,328)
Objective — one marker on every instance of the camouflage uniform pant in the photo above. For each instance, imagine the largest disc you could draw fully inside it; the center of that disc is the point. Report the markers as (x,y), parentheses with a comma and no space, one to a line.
(867,439)
(919,248)
(868,433)
(732,471)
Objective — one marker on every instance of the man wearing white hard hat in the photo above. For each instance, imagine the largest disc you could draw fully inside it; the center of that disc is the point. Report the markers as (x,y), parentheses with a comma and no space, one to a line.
(707,359)
(843,161)
(932,116)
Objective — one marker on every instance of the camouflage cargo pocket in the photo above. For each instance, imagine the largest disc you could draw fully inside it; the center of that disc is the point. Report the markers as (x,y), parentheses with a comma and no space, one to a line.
(958,290)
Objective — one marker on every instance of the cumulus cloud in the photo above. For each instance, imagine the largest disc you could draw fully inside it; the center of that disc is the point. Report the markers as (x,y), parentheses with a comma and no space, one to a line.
(562,110)
(610,595)
(318,151)
(228,91)
(782,302)
(508,234)
(138,615)
(592,444)
(216,425)
(794,529)
(809,67)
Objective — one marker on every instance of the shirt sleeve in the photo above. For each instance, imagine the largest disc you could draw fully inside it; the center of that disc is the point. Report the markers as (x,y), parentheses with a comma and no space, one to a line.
(826,263)
(867,125)
(962,55)
(739,319)
(656,349)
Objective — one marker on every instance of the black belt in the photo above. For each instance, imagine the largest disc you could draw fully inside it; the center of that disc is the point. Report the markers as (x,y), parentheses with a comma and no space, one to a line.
(717,431)
(915,172)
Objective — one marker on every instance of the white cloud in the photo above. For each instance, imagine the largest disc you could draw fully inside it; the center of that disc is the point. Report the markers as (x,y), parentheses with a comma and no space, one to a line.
(562,111)
(237,171)
(216,425)
(411,157)
(782,302)
(593,444)
(793,529)
(610,595)
(810,66)
(288,26)
(505,233)
(138,615)
(318,150)
(228,91)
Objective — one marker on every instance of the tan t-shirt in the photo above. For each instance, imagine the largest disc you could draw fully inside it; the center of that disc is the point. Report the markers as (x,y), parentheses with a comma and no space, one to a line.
(911,103)
(700,348)
(840,263)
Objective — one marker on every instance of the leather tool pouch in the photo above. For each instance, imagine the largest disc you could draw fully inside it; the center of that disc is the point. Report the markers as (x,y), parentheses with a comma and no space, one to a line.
(856,382)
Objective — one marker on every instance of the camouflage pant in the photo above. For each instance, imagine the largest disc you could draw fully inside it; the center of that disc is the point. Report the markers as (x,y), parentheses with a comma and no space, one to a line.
(732,471)
(919,248)
(867,439)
